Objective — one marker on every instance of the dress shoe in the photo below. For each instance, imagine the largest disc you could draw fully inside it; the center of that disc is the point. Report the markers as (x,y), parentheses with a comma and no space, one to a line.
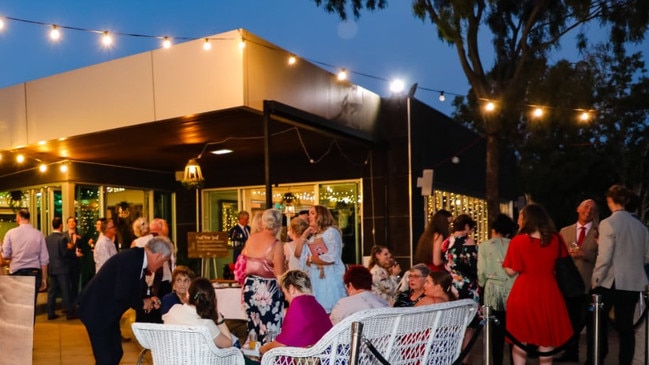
(49,318)
(567,358)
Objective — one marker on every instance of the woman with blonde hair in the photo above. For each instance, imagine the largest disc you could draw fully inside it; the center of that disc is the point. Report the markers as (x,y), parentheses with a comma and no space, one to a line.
(264,254)
(320,251)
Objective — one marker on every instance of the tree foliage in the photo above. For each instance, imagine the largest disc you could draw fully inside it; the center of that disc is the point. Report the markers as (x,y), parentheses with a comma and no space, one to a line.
(524,34)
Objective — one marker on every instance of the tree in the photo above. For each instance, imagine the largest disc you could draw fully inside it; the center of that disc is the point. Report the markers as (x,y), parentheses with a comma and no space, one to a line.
(525,32)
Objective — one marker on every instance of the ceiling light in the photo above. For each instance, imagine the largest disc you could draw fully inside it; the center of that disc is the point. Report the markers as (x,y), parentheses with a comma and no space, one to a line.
(207,45)
(166,42)
(193,176)
(223,151)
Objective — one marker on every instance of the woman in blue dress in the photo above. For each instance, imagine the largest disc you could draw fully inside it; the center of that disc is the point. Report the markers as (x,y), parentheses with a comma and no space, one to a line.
(321,257)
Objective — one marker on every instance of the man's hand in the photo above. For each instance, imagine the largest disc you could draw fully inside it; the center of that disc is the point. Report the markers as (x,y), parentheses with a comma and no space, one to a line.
(43,284)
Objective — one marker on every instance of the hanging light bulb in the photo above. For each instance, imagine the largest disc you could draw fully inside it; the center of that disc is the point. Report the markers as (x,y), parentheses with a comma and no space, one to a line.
(397,86)
(207,45)
(42,167)
(292,60)
(584,117)
(55,34)
(537,113)
(166,42)
(490,106)
(20,158)
(242,44)
(342,74)
(106,39)
(2,23)
(441,96)
(64,167)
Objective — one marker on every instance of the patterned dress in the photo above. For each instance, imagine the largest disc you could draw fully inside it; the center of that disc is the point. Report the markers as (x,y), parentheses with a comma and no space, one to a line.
(462,262)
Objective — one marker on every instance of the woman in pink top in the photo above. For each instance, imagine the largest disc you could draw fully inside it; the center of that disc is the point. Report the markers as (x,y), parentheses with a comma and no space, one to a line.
(306,320)
(262,297)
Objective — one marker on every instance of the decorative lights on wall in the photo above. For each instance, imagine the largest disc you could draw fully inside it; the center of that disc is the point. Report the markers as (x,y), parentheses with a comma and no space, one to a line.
(462,204)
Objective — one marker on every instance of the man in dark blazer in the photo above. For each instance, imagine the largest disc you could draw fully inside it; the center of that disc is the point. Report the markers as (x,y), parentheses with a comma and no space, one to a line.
(619,275)
(581,241)
(118,286)
(59,276)
(239,234)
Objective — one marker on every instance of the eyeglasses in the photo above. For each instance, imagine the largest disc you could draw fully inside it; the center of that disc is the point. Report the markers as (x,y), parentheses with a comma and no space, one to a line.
(415,276)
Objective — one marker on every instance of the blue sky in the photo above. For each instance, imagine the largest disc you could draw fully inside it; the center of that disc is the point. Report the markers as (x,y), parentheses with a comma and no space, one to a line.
(387,44)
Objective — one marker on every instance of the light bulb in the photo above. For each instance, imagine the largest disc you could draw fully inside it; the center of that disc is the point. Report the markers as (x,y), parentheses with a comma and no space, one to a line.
(342,75)
(584,117)
(538,112)
(42,167)
(441,96)
(20,158)
(490,107)
(166,43)
(397,86)
(64,168)
(292,60)
(2,24)
(55,34)
(106,39)
(242,44)
(207,45)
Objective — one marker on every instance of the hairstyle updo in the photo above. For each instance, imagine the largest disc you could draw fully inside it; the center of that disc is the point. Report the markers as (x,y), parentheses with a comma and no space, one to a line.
(202,296)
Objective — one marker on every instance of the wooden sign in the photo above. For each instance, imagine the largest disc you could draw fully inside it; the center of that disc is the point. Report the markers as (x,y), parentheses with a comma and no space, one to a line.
(207,244)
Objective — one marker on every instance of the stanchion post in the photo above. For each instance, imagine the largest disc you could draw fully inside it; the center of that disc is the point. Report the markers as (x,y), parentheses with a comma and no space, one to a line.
(357,333)
(486,348)
(646,326)
(597,307)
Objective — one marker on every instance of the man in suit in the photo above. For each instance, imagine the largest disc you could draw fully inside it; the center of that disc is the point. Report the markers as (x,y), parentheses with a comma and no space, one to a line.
(57,247)
(581,241)
(239,234)
(619,270)
(118,286)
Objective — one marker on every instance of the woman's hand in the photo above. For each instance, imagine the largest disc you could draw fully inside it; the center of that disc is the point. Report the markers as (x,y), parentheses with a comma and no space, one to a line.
(395,270)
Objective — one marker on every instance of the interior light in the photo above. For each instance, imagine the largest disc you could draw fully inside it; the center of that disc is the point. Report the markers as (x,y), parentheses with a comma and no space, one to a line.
(441,96)
(223,151)
(490,106)
(207,45)
(166,42)
(342,74)
(42,167)
(537,113)
(292,60)
(106,39)
(55,34)
(397,86)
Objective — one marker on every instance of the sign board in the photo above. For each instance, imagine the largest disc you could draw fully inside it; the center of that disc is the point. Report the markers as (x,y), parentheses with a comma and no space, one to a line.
(207,244)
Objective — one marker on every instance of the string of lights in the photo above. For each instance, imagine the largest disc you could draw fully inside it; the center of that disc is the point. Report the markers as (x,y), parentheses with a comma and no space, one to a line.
(396,86)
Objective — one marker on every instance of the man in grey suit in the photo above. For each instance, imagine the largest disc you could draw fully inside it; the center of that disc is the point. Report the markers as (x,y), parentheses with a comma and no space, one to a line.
(57,247)
(581,242)
(619,275)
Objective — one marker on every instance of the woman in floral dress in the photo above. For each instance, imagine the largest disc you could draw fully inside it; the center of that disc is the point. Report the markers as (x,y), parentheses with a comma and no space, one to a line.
(262,296)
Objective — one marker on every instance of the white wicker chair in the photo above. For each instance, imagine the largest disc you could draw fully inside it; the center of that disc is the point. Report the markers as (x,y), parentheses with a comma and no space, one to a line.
(172,345)
(430,334)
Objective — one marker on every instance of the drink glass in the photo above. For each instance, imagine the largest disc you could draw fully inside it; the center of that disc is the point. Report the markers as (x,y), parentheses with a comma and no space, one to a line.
(252,340)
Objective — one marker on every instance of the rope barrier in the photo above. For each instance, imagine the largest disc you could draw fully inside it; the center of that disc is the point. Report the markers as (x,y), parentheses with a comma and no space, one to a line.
(469,346)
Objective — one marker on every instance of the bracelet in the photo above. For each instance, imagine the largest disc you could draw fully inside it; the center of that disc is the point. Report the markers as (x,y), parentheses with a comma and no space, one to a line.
(221,321)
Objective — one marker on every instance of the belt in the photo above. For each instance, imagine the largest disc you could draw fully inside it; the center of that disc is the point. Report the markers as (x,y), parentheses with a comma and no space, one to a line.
(27,272)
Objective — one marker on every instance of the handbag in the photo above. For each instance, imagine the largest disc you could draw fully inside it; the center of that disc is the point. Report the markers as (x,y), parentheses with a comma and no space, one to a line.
(240,269)
(567,276)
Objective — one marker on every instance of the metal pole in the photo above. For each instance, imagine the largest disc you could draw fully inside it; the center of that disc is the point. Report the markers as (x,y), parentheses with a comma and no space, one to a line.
(646,326)
(357,333)
(486,349)
(597,307)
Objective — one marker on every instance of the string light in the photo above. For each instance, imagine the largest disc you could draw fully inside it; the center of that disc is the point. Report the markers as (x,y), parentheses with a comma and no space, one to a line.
(55,34)
(106,39)
(537,113)
(166,42)
(42,167)
(397,86)
(207,45)
(20,158)
(342,74)
(63,167)
(490,106)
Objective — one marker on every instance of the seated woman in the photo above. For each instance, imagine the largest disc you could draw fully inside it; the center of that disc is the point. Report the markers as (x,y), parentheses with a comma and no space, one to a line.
(416,279)
(181,278)
(438,289)
(305,321)
(358,283)
(385,273)
(201,311)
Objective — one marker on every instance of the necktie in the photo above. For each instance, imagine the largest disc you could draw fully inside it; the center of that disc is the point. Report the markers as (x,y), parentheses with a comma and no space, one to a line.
(582,235)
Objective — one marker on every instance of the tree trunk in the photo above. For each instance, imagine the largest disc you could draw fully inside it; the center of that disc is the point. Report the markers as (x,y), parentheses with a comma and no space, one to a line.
(493,200)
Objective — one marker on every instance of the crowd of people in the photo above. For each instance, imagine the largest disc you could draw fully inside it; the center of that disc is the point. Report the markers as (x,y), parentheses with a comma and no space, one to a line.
(512,272)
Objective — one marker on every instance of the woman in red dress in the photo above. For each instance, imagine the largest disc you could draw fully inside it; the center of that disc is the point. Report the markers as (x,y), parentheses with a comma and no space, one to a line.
(536,311)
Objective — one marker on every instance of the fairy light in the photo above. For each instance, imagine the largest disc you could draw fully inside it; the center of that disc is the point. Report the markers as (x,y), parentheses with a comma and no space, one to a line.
(537,113)
(584,116)
(106,39)
(20,158)
(490,106)
(342,74)
(397,86)
(42,167)
(441,96)
(207,45)
(242,44)
(292,60)
(166,42)
(2,23)
(55,34)
(63,168)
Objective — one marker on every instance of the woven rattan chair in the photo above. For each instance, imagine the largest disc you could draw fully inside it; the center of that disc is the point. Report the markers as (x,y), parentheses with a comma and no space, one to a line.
(173,345)
(430,334)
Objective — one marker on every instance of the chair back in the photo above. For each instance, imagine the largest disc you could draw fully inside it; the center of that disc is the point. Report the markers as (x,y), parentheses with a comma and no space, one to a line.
(175,344)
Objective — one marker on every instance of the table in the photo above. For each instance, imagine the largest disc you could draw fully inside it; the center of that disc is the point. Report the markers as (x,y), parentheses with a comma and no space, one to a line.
(228,301)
